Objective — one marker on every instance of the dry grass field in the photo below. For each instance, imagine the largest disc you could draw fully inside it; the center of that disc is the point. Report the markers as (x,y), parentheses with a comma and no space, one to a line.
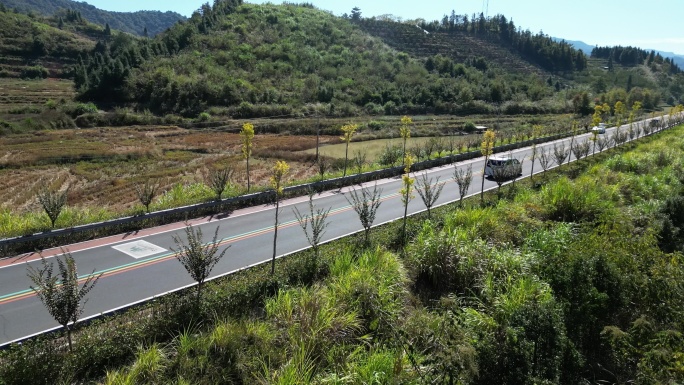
(101,166)
(17,97)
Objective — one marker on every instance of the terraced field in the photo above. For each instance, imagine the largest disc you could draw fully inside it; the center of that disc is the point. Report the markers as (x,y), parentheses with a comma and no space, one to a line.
(458,46)
(101,166)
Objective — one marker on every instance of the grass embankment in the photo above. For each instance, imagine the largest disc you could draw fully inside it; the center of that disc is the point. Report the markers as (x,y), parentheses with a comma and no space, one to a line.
(574,279)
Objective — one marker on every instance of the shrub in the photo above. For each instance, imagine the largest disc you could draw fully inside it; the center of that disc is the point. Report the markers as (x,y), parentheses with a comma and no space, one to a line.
(375,125)
(203,117)
(390,155)
(581,201)
(80,108)
(374,109)
(469,127)
(36,72)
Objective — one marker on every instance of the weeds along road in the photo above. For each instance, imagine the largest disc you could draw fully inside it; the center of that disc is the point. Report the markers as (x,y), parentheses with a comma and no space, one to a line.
(141,266)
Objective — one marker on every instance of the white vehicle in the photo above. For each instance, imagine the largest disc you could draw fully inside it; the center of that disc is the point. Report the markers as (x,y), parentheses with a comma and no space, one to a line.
(601,128)
(507,163)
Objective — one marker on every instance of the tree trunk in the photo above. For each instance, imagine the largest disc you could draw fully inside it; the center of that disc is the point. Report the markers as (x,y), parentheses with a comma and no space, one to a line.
(199,293)
(483,180)
(318,136)
(403,158)
(68,333)
(403,227)
(248,185)
(532,171)
(346,156)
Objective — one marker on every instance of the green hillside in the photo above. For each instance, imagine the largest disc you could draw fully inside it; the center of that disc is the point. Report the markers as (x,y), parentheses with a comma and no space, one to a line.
(494,39)
(246,61)
(268,60)
(131,22)
(34,46)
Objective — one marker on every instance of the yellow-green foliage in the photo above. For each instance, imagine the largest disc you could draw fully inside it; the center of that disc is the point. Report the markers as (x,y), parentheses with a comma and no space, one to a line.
(319,334)
(181,194)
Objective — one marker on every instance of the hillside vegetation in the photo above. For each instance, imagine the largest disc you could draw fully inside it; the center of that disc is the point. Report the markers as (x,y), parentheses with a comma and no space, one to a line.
(34,47)
(135,23)
(267,60)
(245,61)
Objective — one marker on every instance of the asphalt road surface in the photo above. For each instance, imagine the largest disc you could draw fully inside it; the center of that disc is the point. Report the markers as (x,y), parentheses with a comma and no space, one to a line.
(137,267)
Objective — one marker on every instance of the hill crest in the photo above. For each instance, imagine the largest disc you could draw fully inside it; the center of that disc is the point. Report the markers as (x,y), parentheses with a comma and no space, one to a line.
(135,23)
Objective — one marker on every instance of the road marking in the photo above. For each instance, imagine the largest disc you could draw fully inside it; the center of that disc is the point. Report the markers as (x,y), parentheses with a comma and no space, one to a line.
(139,249)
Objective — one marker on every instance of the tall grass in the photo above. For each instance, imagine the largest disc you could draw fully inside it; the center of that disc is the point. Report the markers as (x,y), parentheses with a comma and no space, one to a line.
(574,201)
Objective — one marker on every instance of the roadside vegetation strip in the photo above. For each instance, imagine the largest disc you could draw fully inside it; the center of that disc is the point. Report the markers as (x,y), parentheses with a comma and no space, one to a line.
(469,282)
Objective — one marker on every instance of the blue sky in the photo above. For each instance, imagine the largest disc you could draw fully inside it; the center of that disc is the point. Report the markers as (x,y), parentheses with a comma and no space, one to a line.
(651,24)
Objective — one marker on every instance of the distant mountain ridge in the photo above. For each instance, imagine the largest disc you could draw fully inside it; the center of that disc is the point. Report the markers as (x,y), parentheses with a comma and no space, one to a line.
(131,22)
(586,48)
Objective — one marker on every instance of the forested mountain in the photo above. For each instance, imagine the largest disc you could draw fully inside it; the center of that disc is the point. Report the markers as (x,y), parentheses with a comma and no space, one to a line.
(537,48)
(631,56)
(267,60)
(132,22)
(35,46)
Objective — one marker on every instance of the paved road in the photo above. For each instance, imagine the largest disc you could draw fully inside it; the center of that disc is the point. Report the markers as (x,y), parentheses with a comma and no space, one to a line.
(139,266)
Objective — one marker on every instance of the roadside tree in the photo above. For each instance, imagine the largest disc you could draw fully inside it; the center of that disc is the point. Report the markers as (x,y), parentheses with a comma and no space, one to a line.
(487,149)
(581,150)
(560,153)
(406,190)
(366,205)
(348,131)
(313,224)
(545,159)
(536,133)
(596,117)
(217,179)
(198,258)
(619,110)
(464,178)
(500,175)
(280,169)
(52,202)
(146,192)
(429,192)
(247,137)
(360,158)
(61,294)
(405,132)
(574,129)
